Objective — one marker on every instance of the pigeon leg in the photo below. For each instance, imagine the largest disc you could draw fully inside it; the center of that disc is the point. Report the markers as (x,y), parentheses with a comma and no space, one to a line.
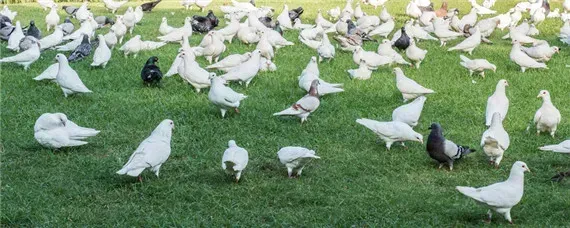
(483,74)
(300,171)
(388,145)
(290,172)
(223,112)
(552,131)
(140,178)
(440,165)
(237,110)
(523,69)
(489,216)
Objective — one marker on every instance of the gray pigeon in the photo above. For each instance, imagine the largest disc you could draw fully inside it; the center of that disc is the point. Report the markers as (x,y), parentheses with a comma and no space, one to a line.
(71,10)
(104,20)
(27,42)
(443,150)
(67,26)
(6,30)
(82,51)
(33,31)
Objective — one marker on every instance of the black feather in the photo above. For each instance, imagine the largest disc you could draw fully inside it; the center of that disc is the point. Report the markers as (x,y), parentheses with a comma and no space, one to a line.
(81,51)
(204,24)
(33,31)
(560,176)
(267,21)
(404,41)
(71,10)
(147,7)
(295,13)
(151,72)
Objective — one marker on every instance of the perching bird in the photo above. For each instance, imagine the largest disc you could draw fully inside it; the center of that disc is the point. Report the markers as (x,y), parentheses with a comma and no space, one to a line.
(409,88)
(495,140)
(547,117)
(234,160)
(190,70)
(151,73)
(52,19)
(477,65)
(409,113)
(443,150)
(68,79)
(502,196)
(25,58)
(151,153)
(147,7)
(82,51)
(224,97)
(33,31)
(295,159)
(325,50)
(404,41)
(54,131)
(304,106)
(498,102)
(391,132)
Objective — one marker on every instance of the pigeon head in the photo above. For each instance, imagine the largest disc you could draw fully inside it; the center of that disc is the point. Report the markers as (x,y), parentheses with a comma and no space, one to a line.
(313,91)
(397,70)
(164,19)
(403,30)
(85,39)
(313,60)
(232,143)
(152,60)
(164,129)
(502,84)
(544,94)
(60,58)
(385,41)
(109,21)
(520,167)
(216,80)
(556,49)
(32,23)
(417,137)
(435,127)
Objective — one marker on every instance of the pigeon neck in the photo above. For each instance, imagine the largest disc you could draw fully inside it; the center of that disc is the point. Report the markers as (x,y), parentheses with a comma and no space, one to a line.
(500,89)
(516,176)
(546,100)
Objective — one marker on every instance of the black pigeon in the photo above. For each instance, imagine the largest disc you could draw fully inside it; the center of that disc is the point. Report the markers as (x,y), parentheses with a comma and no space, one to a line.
(443,150)
(150,73)
(147,7)
(33,31)
(295,13)
(267,21)
(560,176)
(353,30)
(205,24)
(404,41)
(81,51)
(71,10)
(104,20)
(278,28)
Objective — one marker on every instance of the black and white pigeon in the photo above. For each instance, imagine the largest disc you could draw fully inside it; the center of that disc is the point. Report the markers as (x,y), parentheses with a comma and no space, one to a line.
(67,26)
(150,73)
(104,20)
(4,21)
(27,42)
(353,30)
(147,7)
(267,21)
(205,24)
(296,13)
(6,30)
(71,10)
(403,42)
(33,31)
(81,51)
(443,150)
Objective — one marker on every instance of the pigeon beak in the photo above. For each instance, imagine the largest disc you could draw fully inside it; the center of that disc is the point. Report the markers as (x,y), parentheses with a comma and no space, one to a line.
(538,96)
(422,141)
(527,169)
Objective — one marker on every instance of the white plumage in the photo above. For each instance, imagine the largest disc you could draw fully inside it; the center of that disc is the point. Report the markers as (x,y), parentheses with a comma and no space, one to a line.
(102,54)
(54,131)
(547,117)
(25,58)
(52,40)
(391,132)
(52,19)
(49,73)
(68,79)
(304,106)
(246,71)
(224,97)
(498,102)
(234,160)
(477,65)
(191,72)
(522,59)
(495,140)
(409,88)
(295,159)
(563,147)
(15,38)
(409,113)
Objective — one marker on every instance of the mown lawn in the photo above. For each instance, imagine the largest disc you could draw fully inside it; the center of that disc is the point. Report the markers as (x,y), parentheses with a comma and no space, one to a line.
(357,182)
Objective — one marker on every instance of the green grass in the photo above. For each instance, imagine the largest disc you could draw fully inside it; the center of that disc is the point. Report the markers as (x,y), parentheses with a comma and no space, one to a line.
(357,182)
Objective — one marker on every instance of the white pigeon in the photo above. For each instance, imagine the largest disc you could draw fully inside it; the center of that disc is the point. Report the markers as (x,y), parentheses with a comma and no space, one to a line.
(304,106)
(83,12)
(119,29)
(410,113)
(416,31)
(325,49)
(409,88)
(9,13)
(138,14)
(375,3)
(489,3)
(385,49)
(234,160)
(563,147)
(498,102)
(213,46)
(391,132)
(224,97)
(246,71)
(230,61)
(505,19)
(538,16)
(547,117)
(129,19)
(565,30)
(113,5)
(362,73)
(313,44)
(54,131)
(133,46)
(542,52)
(231,30)
(480,9)
(495,140)
(52,40)
(367,23)
(110,39)
(187,3)
(320,20)
(427,17)
(177,34)
(49,73)
(202,4)
(415,54)
(68,79)
(25,58)
(413,10)
(52,19)
(384,29)
(307,77)
(276,40)
(267,65)
(264,46)
(468,19)
(15,38)
(70,46)
(295,159)
(298,24)
(102,54)
(248,35)
(443,33)
(373,60)
(45,3)
(520,34)
(284,19)
(477,65)
(85,28)
(164,28)
(469,44)
(151,153)
(358,13)
(385,16)
(334,13)
(190,71)
(311,33)
(522,59)
(502,196)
